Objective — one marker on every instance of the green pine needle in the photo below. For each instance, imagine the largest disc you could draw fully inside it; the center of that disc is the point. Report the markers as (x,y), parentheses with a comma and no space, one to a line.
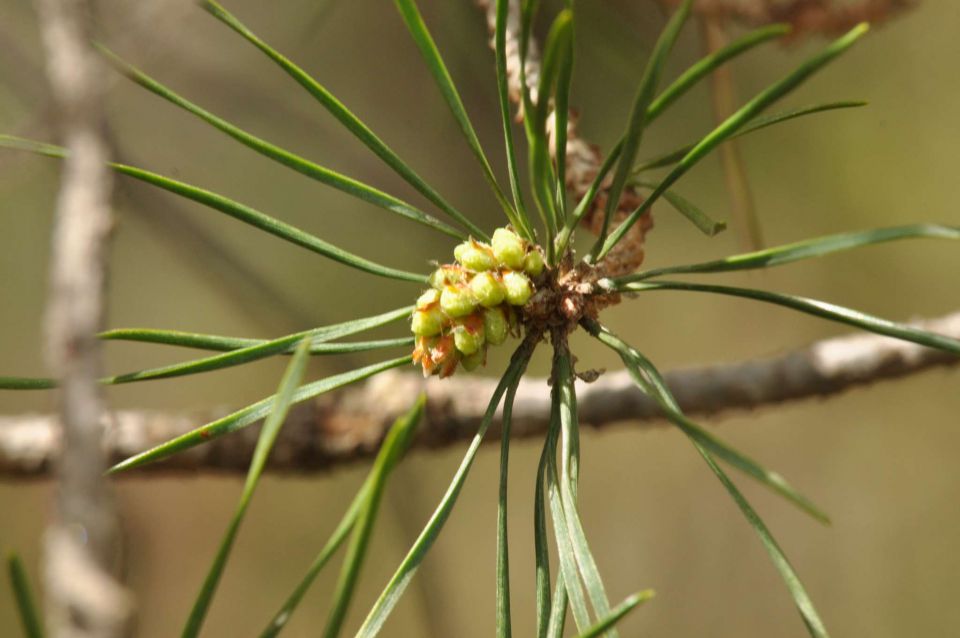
(650,380)
(638,116)
(351,122)
(268,348)
(232,208)
(215,342)
(303,166)
(562,115)
(640,370)
(617,613)
(251,414)
(734,123)
(27,383)
(408,567)
(224,344)
(239,350)
(811,619)
(541,539)
(337,538)
(542,176)
(503,93)
(813,307)
(566,554)
(565,397)
(710,63)
(504,625)
(208,364)
(558,611)
(806,249)
(396,443)
(687,80)
(431,55)
(756,124)
(26,606)
(585,203)
(278,409)
(704,223)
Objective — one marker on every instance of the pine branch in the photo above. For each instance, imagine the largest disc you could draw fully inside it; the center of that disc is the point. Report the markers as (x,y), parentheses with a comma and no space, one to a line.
(348,426)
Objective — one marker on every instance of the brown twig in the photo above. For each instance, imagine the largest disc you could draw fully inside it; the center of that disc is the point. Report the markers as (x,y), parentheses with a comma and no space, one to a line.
(348,426)
(83,596)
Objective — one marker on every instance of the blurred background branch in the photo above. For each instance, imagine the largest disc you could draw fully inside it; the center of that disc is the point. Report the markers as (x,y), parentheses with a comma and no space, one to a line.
(724,101)
(84,597)
(348,425)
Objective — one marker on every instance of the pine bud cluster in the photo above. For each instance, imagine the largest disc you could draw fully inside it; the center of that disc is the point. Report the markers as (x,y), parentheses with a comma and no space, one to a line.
(472,303)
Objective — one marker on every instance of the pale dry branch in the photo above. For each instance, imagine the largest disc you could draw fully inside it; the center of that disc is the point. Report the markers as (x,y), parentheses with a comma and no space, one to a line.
(349,425)
(84,599)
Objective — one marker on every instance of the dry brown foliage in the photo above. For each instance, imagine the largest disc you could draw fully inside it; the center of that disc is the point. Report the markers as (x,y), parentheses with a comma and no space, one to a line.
(808,17)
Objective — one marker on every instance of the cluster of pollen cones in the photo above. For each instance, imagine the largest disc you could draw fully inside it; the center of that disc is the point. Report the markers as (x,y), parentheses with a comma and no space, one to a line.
(474,302)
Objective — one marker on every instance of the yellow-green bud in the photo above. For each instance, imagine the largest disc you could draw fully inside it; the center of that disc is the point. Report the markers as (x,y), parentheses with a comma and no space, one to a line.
(457,301)
(473,361)
(474,302)
(445,275)
(508,248)
(519,288)
(427,299)
(533,263)
(468,335)
(487,290)
(426,323)
(460,249)
(495,326)
(476,257)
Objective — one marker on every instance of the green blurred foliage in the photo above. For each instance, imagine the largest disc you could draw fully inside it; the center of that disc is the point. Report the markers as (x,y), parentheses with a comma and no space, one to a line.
(880,460)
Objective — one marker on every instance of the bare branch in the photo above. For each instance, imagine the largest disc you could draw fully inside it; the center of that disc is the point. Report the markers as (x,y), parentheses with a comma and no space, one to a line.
(349,425)
(84,598)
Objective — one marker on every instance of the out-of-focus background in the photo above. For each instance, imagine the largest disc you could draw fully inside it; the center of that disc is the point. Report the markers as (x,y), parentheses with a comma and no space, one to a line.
(881,461)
